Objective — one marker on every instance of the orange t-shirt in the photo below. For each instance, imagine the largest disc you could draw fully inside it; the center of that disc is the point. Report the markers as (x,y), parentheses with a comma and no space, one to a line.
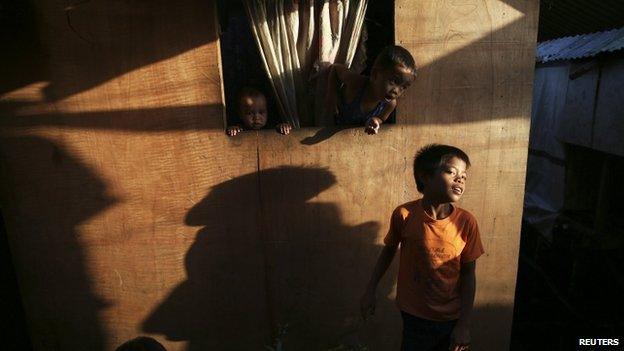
(432,252)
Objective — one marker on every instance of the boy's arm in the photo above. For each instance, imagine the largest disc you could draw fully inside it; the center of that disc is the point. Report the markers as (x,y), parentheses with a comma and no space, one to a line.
(373,123)
(385,113)
(383,262)
(367,303)
(467,288)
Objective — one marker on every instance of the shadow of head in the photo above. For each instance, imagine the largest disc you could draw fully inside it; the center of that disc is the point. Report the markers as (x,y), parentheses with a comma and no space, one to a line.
(142,343)
(265,254)
(222,304)
(289,185)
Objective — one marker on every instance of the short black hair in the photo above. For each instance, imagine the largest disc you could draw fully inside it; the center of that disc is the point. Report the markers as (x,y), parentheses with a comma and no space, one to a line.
(142,343)
(429,158)
(247,91)
(393,55)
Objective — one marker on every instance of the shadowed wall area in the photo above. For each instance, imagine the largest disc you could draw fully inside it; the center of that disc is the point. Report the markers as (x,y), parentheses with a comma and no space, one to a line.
(58,287)
(129,212)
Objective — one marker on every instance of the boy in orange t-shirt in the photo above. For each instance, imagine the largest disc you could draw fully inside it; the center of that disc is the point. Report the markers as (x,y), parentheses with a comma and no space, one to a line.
(440,243)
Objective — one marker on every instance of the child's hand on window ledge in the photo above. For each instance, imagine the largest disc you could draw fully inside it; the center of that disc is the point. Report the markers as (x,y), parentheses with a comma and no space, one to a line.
(372,125)
(283,128)
(233,130)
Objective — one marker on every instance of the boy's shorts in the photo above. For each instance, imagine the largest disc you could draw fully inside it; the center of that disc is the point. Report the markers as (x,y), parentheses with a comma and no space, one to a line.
(425,335)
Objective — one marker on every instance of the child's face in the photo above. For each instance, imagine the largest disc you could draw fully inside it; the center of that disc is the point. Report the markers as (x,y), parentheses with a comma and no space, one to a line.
(448,183)
(391,83)
(253,111)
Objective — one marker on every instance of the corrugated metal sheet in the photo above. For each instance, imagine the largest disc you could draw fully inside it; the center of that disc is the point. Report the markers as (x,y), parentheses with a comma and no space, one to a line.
(579,46)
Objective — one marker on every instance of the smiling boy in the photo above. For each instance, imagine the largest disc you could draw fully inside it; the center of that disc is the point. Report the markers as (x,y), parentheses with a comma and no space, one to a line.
(440,243)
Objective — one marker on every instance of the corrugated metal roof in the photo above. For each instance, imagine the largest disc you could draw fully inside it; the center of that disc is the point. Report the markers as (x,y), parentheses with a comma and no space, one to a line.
(579,46)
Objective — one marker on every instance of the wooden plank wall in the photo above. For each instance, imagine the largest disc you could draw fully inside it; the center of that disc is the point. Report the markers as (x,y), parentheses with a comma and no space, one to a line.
(129,212)
(608,126)
(593,99)
(576,121)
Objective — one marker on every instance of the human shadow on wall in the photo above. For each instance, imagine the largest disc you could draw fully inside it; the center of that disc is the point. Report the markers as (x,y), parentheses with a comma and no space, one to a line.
(266,258)
(57,193)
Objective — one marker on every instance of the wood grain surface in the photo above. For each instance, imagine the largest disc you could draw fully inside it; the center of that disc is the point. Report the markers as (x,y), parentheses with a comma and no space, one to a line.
(129,212)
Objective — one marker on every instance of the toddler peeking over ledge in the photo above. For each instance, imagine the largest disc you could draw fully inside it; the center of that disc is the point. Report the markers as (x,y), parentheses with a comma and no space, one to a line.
(252,113)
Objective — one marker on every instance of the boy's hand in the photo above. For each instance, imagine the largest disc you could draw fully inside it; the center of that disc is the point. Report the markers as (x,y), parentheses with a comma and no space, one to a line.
(460,338)
(372,125)
(367,304)
(283,128)
(233,130)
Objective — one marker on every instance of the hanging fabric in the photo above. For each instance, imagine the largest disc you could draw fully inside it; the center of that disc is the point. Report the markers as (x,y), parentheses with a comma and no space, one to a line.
(340,25)
(297,40)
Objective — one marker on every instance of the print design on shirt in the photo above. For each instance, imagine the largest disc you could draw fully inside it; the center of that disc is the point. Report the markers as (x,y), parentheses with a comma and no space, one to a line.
(436,269)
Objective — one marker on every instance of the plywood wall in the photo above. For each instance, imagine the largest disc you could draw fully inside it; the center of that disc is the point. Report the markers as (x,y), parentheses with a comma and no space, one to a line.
(129,212)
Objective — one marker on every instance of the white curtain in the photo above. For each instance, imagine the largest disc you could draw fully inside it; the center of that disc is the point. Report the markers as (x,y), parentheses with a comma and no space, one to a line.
(340,25)
(297,40)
